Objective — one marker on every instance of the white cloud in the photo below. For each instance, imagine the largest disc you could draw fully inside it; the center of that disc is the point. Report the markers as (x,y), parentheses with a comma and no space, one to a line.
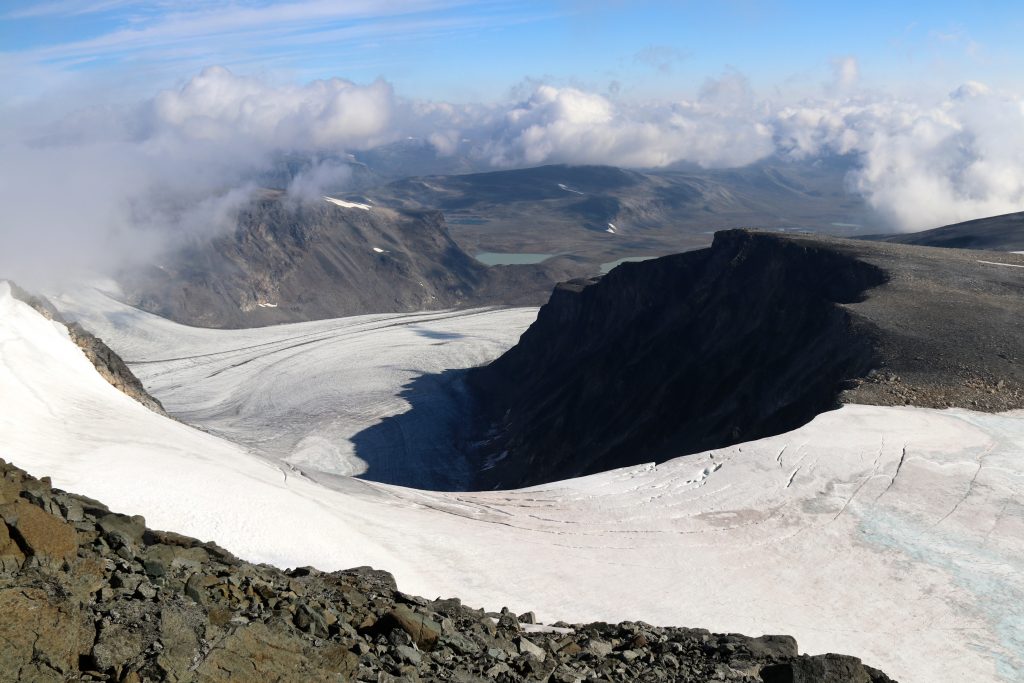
(846,72)
(722,127)
(660,57)
(322,177)
(220,107)
(922,164)
(120,182)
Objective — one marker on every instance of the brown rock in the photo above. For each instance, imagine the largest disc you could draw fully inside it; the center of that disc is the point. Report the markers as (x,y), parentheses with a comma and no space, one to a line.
(180,629)
(40,635)
(122,531)
(10,488)
(423,630)
(47,539)
(11,557)
(257,653)
(117,645)
(830,668)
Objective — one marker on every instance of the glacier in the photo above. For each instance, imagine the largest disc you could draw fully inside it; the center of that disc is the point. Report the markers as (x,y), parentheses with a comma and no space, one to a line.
(895,534)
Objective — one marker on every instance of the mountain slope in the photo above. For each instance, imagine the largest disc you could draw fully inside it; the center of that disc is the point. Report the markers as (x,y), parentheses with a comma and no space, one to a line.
(289,262)
(749,338)
(996,233)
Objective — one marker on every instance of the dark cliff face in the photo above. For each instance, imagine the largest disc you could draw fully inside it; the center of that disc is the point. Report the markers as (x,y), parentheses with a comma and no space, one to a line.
(289,262)
(666,357)
(751,337)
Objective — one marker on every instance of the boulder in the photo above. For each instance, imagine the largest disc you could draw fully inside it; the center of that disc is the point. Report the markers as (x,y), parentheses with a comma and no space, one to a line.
(11,556)
(829,668)
(48,540)
(118,645)
(527,647)
(159,560)
(423,630)
(777,647)
(40,635)
(122,531)
(258,653)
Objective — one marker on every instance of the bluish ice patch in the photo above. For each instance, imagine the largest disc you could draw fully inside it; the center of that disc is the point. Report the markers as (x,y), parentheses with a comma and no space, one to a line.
(994,579)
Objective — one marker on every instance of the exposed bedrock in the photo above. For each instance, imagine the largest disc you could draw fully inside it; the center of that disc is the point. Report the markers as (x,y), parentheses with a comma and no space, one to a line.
(751,337)
(286,261)
(108,364)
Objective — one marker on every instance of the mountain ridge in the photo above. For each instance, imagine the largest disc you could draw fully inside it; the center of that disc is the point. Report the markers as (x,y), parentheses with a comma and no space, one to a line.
(289,261)
(750,337)
(1004,232)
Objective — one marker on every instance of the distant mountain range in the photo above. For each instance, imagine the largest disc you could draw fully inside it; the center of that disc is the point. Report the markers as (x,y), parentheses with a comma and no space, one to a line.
(996,233)
(411,244)
(604,213)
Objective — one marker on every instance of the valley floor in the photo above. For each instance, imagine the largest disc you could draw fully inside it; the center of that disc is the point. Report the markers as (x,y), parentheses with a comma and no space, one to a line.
(895,534)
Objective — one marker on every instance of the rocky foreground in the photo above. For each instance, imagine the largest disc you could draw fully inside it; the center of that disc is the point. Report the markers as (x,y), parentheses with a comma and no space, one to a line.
(91,595)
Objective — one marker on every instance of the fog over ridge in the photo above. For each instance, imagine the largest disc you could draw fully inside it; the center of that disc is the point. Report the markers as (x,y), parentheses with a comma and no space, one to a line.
(111,183)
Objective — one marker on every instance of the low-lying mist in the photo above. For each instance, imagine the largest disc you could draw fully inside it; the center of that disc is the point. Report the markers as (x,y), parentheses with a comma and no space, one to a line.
(114,185)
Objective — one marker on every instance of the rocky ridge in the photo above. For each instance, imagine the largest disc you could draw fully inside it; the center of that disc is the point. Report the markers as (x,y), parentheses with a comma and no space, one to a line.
(751,337)
(994,233)
(88,594)
(291,261)
(108,364)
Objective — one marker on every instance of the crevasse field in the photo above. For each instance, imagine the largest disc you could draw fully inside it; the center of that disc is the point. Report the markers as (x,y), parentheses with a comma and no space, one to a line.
(896,534)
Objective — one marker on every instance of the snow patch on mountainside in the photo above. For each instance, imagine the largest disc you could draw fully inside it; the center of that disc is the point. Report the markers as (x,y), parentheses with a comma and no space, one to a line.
(996,263)
(348,205)
(896,534)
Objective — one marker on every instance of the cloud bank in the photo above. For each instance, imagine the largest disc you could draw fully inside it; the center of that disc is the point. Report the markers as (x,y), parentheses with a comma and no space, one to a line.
(117,182)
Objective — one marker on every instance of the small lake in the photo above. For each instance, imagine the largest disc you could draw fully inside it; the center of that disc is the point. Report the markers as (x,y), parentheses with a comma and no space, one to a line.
(605,267)
(497,258)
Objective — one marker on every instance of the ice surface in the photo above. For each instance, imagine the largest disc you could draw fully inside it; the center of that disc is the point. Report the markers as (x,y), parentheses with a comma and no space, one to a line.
(896,534)
(301,392)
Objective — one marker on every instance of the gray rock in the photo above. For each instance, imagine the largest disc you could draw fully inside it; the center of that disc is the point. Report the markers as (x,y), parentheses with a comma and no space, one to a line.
(527,647)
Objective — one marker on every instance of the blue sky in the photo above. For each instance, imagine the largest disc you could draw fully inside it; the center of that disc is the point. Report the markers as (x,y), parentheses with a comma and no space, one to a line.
(458,51)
